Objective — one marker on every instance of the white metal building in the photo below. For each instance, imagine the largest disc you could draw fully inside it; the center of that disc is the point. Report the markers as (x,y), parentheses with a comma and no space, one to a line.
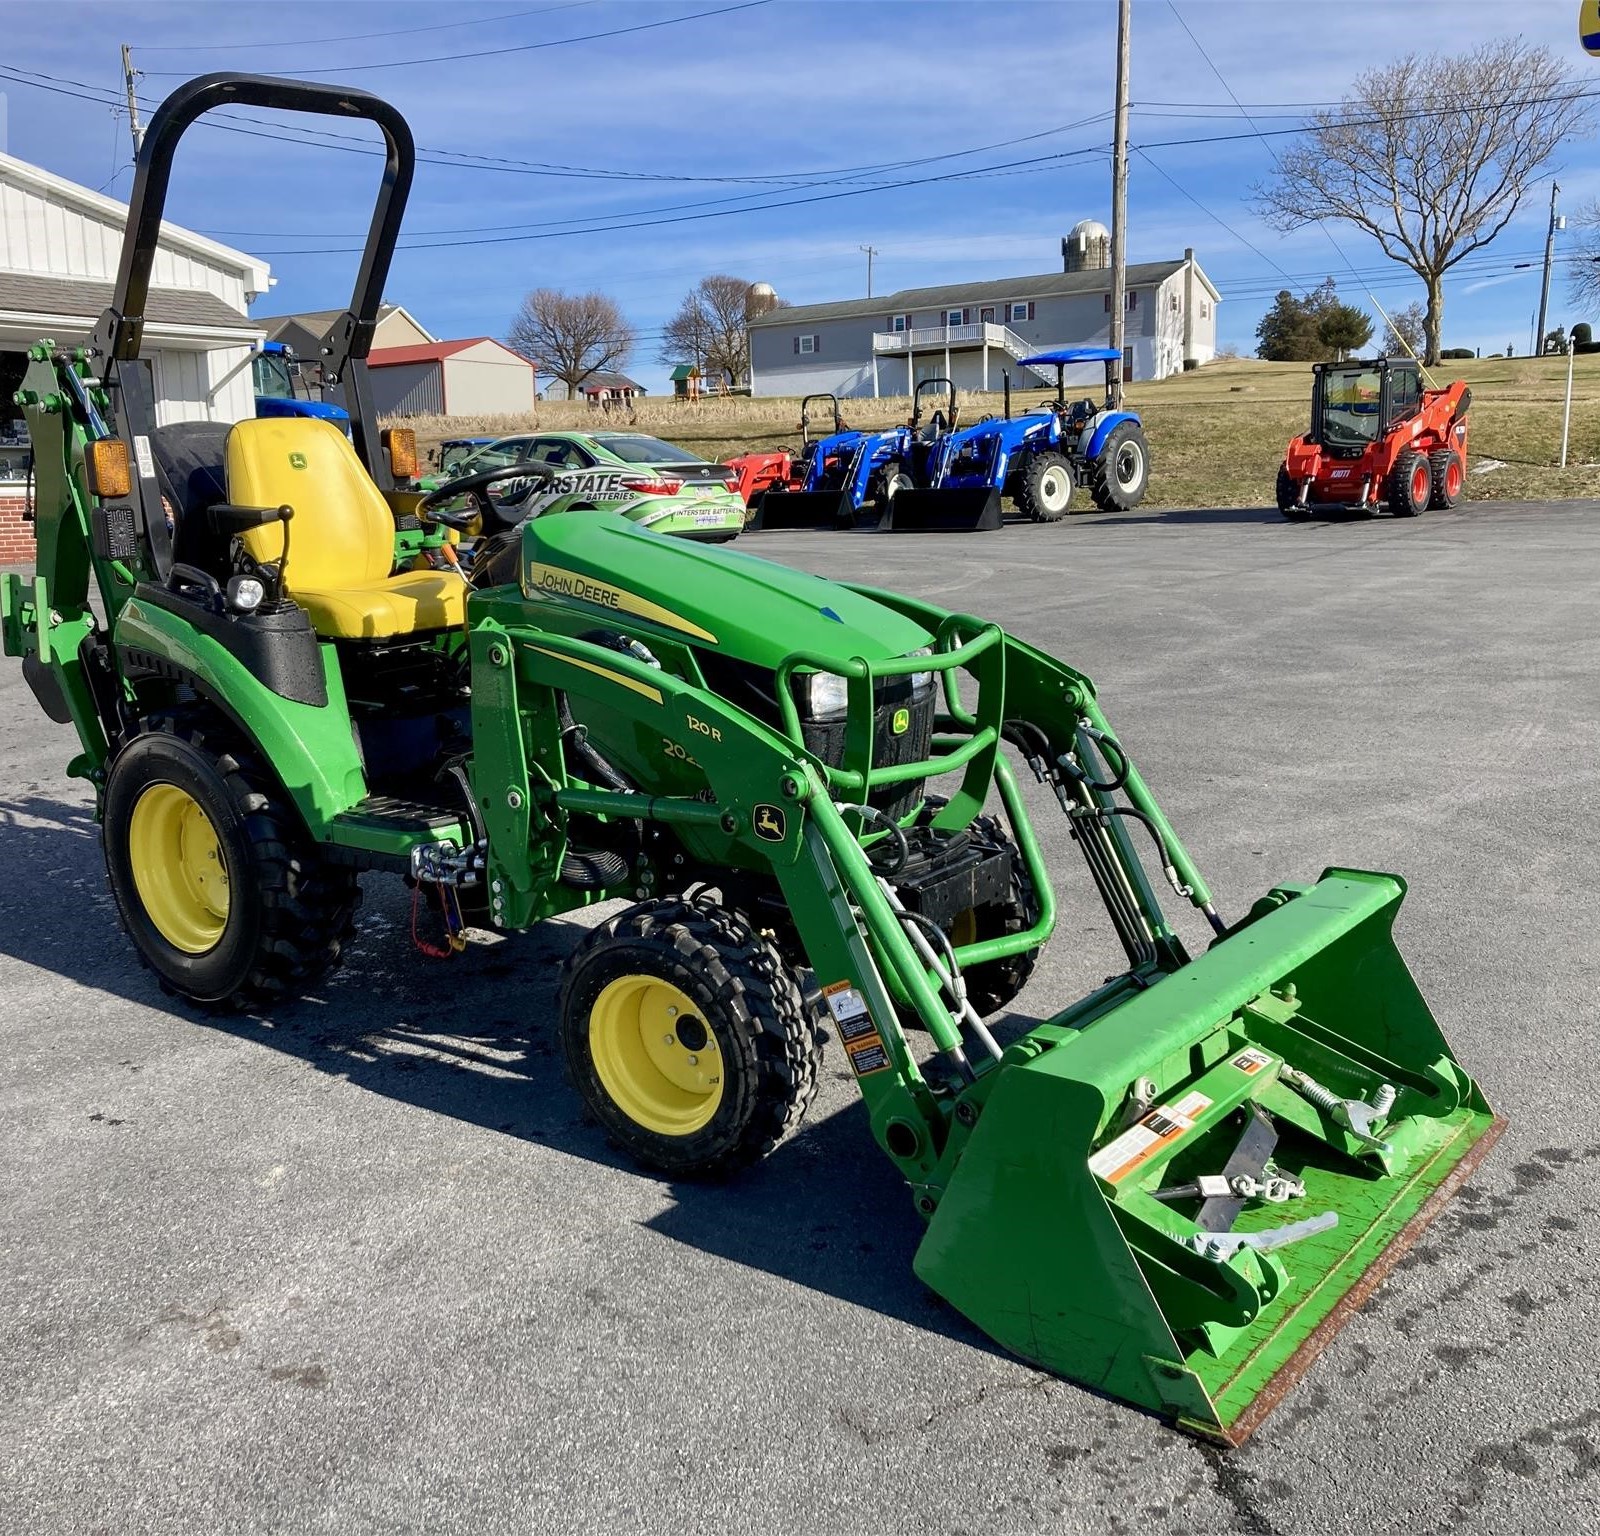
(475,376)
(59,246)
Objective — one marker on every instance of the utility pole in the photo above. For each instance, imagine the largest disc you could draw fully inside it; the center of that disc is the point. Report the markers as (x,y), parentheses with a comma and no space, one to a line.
(1119,197)
(133,101)
(871,251)
(1549,256)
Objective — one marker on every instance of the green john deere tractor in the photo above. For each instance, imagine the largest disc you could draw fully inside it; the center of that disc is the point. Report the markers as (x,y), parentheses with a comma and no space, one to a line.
(1172,1189)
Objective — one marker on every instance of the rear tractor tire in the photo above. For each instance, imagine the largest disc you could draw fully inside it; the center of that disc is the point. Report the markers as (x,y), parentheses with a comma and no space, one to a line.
(1120,473)
(1044,491)
(217,884)
(1409,487)
(687,1037)
(1289,497)
(1449,478)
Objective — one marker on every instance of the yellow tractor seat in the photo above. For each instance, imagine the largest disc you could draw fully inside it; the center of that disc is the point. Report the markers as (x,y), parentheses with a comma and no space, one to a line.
(341,541)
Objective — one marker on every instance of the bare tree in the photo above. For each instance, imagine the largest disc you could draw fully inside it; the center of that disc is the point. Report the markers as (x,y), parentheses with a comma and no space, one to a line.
(1431,156)
(571,335)
(1406,332)
(708,329)
(686,337)
(1586,259)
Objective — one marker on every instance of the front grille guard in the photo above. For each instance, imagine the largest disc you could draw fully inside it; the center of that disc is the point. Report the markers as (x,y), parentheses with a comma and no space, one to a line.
(970,744)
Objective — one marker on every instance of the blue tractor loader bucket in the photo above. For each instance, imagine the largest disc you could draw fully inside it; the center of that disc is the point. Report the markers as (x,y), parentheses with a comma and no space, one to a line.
(803,509)
(974,510)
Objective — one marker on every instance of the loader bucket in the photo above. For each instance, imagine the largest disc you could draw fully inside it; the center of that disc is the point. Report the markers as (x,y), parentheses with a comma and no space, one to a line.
(943,511)
(803,509)
(1048,1233)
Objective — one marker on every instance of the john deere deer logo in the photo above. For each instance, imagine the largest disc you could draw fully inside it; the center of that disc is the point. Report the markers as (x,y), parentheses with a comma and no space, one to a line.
(901,723)
(769,823)
(297,461)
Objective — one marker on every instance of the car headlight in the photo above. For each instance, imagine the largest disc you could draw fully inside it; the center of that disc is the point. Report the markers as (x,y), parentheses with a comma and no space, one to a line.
(921,680)
(824,695)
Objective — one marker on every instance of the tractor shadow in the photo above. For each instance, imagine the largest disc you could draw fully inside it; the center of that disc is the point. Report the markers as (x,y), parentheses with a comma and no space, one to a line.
(476,1039)
(1195,517)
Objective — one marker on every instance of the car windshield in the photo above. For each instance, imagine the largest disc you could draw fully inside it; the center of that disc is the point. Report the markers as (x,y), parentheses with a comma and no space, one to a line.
(1349,406)
(509,450)
(636,448)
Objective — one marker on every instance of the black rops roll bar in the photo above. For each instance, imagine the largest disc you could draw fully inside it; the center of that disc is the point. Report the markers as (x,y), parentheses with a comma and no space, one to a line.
(120,333)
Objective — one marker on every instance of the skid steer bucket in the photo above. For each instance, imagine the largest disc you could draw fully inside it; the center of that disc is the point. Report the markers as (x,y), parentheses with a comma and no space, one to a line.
(943,511)
(1175,1194)
(803,509)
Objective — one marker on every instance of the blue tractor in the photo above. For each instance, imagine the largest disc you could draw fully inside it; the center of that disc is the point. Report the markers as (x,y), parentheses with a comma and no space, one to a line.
(1038,459)
(855,477)
(281,389)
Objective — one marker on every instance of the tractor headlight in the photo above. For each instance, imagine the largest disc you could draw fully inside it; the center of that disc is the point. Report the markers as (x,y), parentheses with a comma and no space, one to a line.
(921,680)
(245,594)
(824,695)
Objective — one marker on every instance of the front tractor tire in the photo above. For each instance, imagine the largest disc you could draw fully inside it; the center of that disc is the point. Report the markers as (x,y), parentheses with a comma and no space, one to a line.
(994,984)
(1409,487)
(1044,490)
(687,1037)
(1449,478)
(215,881)
(1120,473)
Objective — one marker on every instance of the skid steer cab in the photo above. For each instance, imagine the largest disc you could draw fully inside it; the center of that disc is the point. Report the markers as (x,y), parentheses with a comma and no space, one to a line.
(804,801)
(1379,440)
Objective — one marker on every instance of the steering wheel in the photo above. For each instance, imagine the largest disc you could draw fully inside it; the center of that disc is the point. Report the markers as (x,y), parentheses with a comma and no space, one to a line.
(477,486)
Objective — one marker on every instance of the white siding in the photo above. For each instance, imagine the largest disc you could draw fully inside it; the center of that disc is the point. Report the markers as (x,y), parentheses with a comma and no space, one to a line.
(486,380)
(41,235)
(203,386)
(406,389)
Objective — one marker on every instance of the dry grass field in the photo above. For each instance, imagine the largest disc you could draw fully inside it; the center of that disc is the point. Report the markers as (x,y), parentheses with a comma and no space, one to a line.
(1216,435)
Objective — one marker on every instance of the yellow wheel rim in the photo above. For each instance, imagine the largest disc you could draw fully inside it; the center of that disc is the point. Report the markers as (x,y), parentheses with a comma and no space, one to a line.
(655,1055)
(964,930)
(178,868)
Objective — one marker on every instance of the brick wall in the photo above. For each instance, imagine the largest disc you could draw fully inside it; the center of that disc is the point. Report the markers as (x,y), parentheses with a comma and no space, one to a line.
(16,536)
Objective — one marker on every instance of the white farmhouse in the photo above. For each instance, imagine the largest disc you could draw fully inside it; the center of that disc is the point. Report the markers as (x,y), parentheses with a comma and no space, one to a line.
(971,332)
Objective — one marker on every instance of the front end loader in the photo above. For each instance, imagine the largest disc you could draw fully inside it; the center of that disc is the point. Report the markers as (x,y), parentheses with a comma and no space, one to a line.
(805,799)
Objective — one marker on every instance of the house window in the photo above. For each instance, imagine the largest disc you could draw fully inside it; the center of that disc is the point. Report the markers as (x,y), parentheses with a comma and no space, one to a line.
(1205,310)
(1174,303)
(955,317)
(1133,298)
(806,344)
(899,322)
(1022,311)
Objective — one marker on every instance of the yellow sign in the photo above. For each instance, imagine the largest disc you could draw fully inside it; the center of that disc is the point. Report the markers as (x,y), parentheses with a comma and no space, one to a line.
(1589,26)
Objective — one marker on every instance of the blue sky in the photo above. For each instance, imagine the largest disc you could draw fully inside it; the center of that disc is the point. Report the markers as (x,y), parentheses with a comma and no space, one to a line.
(769,103)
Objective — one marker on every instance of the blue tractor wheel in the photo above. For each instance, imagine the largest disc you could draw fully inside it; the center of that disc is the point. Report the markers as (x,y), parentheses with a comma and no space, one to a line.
(1120,472)
(1045,487)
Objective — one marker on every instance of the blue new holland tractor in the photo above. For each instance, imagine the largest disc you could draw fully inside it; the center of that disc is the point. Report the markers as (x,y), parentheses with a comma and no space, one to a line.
(1038,459)
(855,477)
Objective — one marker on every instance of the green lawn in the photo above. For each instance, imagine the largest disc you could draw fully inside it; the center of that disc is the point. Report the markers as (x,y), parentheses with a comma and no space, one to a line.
(1216,435)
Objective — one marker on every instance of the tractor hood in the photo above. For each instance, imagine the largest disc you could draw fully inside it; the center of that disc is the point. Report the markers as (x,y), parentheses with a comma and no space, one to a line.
(741,605)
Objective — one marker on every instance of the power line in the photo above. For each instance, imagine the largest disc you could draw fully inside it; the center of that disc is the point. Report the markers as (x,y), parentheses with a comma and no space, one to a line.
(359,37)
(287,133)
(493,53)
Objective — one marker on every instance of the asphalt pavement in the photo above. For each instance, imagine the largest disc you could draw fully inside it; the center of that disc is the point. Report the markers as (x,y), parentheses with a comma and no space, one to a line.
(363,1267)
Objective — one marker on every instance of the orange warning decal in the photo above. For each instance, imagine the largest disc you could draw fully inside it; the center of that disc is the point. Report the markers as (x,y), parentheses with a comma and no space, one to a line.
(1139,1143)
